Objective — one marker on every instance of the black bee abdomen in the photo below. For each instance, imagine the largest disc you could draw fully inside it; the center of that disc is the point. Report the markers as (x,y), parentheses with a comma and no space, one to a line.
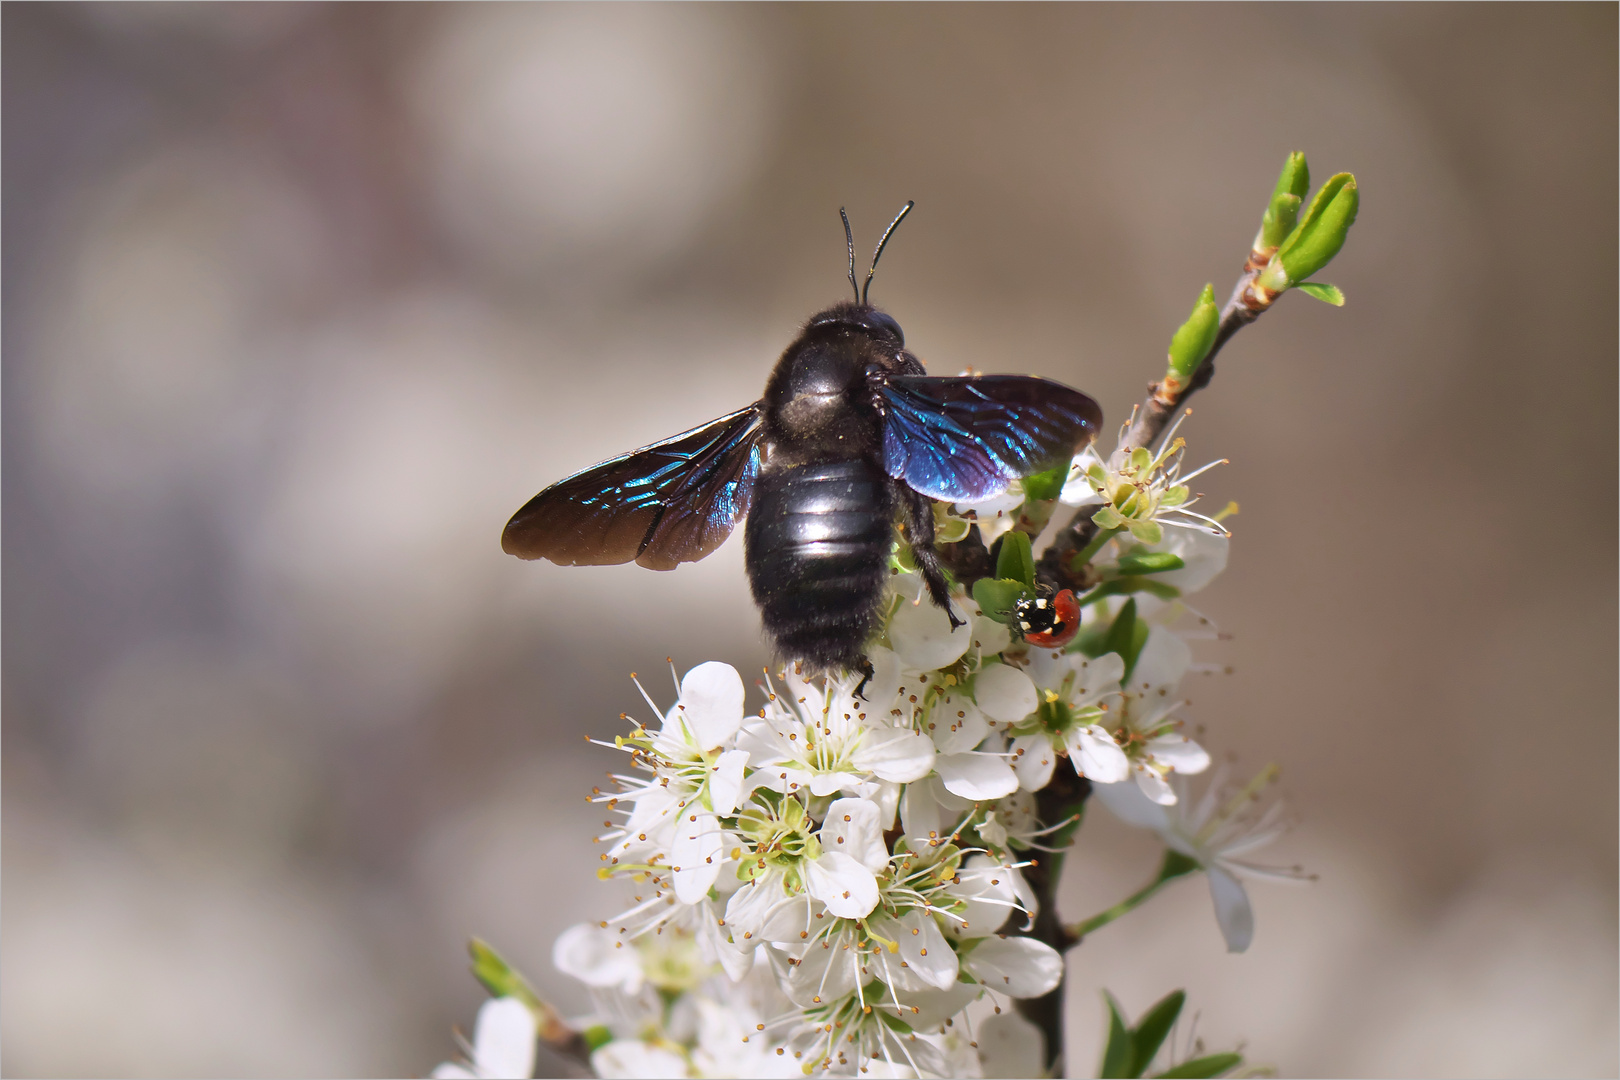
(818,541)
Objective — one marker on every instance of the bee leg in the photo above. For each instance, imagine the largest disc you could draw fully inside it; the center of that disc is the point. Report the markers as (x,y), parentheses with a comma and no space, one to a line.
(920,528)
(867,671)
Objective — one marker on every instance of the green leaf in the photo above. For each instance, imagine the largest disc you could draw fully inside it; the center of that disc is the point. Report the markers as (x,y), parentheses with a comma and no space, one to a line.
(1320,235)
(1016,560)
(1127,636)
(1117,1055)
(597,1037)
(1046,486)
(1193,340)
(1149,562)
(1328,294)
(1150,1031)
(996,597)
(1206,1066)
(497,975)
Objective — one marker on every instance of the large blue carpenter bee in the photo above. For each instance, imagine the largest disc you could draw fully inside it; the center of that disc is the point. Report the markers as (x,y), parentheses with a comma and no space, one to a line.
(851,432)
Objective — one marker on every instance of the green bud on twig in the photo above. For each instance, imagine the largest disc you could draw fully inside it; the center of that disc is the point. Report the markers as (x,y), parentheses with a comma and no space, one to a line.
(502,980)
(1190,344)
(1318,238)
(1283,211)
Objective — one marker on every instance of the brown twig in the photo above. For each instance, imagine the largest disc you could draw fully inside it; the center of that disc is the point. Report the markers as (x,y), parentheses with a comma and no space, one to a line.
(968,559)
(1056,569)
(1064,797)
(561,1039)
(1249,300)
(1066,794)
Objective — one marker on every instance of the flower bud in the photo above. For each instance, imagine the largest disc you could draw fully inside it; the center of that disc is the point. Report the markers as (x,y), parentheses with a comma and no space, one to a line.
(1283,211)
(1319,236)
(1191,343)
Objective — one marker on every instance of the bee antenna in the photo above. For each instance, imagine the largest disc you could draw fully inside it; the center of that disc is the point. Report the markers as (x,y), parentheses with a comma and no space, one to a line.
(878,254)
(849,238)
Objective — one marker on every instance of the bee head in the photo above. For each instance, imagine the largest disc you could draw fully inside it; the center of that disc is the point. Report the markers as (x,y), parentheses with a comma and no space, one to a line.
(861,318)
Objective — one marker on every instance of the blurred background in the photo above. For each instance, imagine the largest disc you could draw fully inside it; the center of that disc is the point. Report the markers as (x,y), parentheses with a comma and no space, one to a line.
(302,301)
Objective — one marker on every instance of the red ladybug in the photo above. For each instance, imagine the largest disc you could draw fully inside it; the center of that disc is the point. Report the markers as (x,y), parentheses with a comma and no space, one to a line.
(1049,623)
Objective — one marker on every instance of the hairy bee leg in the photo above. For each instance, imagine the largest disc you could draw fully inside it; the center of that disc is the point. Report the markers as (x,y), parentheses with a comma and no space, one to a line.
(867,672)
(920,528)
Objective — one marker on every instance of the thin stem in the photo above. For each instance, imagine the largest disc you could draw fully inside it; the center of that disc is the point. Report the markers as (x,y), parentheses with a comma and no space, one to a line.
(1085,554)
(1175,865)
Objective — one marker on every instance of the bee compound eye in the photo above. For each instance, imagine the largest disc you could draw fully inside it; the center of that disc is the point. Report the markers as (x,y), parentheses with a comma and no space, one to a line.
(877,320)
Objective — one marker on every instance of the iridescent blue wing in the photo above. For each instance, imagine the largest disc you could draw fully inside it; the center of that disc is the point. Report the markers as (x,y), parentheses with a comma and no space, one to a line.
(962,439)
(672,502)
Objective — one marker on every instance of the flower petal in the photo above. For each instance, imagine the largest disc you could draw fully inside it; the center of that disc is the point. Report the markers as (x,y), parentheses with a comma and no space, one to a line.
(989,636)
(695,855)
(1179,752)
(1232,910)
(987,888)
(1034,760)
(1049,667)
(817,975)
(1019,967)
(736,957)
(1127,802)
(884,684)
(1095,679)
(1009,1045)
(923,637)
(921,816)
(588,953)
(851,828)
(1165,658)
(1203,552)
(897,754)
(822,784)
(1004,693)
(622,1059)
(711,704)
(847,888)
(934,1007)
(725,780)
(1077,489)
(790,920)
(957,724)
(1153,785)
(976,776)
(1026,896)
(1097,756)
(929,961)
(503,1041)
(752,906)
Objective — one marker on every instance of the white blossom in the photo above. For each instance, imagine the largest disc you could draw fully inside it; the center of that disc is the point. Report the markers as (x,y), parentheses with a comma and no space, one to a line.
(825,884)
(1153,739)
(1214,832)
(502,1047)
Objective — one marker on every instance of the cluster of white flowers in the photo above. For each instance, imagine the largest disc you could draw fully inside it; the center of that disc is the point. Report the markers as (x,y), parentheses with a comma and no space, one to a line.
(823,881)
